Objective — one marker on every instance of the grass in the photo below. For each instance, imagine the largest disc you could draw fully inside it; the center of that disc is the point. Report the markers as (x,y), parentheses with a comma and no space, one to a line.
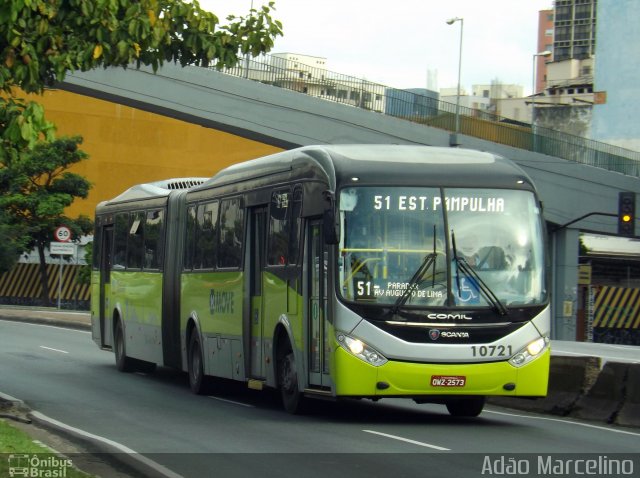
(20,455)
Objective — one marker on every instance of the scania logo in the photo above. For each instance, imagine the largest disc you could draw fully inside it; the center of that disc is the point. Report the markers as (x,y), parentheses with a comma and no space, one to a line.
(435,334)
(455,335)
(449,317)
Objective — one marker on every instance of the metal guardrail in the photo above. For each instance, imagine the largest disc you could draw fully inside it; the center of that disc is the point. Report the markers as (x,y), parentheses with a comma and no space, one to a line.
(416,106)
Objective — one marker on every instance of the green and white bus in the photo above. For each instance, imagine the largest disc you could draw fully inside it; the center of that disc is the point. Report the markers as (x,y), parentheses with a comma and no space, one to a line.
(352,271)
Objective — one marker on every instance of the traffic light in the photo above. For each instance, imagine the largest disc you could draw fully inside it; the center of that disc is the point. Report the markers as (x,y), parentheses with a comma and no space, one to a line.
(626,213)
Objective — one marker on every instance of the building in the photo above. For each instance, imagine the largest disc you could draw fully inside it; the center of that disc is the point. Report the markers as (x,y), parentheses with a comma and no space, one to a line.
(566,104)
(616,79)
(574,29)
(497,91)
(545,43)
(563,78)
(450,95)
(415,102)
(309,75)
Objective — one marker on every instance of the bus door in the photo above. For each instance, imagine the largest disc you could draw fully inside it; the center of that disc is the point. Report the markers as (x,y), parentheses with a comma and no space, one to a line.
(105,286)
(256,263)
(318,325)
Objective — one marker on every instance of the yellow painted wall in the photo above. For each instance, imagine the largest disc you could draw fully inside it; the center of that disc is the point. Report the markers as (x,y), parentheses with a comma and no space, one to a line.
(128,146)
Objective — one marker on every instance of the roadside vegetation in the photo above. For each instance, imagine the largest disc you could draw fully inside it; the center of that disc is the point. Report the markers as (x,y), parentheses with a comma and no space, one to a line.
(19,453)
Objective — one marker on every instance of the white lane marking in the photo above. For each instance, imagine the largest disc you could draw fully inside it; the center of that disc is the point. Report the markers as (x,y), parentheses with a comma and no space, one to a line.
(414,442)
(162,470)
(566,422)
(54,350)
(231,401)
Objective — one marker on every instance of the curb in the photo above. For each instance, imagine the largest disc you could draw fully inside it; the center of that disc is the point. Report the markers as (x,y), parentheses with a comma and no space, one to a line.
(629,414)
(569,377)
(123,456)
(118,454)
(52,322)
(603,400)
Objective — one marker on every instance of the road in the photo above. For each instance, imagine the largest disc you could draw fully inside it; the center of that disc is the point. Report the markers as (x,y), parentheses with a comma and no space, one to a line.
(60,373)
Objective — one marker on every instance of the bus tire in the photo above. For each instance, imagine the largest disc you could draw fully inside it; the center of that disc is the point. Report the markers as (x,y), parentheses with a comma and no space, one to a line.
(195,366)
(123,363)
(292,399)
(466,407)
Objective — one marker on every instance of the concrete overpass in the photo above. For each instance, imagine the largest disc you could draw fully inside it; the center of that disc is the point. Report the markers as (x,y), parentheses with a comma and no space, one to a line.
(288,119)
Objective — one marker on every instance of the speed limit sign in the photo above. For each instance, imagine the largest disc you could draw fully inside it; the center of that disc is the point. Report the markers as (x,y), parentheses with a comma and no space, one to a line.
(62,234)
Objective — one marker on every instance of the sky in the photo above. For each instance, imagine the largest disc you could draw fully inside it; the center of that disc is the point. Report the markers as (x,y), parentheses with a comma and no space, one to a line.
(396,42)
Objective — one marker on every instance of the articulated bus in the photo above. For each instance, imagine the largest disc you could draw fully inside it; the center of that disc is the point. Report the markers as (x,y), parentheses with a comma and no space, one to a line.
(352,271)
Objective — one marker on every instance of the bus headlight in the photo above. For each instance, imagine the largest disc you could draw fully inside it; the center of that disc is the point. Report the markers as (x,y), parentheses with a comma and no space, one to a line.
(361,350)
(529,352)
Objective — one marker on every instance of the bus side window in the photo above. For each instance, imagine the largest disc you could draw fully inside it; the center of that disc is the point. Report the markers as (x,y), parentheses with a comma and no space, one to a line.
(231,233)
(135,241)
(206,235)
(279,226)
(120,240)
(154,239)
(295,236)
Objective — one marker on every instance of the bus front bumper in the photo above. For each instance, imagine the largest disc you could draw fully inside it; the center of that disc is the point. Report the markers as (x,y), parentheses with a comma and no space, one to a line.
(357,378)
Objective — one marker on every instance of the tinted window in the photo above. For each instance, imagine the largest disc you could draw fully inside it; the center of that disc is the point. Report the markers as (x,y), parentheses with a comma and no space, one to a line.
(284,227)
(120,247)
(154,239)
(206,234)
(135,240)
(231,233)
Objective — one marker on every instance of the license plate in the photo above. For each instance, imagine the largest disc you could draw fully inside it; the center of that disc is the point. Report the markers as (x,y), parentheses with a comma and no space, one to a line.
(448,380)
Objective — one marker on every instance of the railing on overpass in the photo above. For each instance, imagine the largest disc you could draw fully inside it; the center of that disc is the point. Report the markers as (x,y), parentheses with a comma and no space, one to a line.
(422,106)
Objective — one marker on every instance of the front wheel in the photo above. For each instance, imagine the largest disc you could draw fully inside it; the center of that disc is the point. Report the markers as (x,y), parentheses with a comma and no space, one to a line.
(292,399)
(466,407)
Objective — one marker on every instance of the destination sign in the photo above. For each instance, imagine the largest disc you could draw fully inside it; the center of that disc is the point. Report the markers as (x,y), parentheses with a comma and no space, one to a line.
(426,203)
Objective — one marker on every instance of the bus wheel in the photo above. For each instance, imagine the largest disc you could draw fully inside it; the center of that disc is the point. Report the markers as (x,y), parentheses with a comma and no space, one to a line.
(195,366)
(292,399)
(123,363)
(466,407)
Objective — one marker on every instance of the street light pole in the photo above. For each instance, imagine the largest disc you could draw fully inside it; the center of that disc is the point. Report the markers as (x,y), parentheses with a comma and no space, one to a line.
(545,54)
(453,138)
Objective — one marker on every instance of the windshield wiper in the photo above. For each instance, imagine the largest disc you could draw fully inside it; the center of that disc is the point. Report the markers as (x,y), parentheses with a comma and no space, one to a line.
(428,261)
(467,270)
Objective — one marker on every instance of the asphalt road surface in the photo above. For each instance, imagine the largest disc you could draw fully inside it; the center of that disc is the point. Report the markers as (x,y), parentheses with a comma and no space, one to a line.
(61,374)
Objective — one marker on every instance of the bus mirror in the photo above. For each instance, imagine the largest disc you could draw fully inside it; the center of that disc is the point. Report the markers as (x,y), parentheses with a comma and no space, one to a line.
(330,227)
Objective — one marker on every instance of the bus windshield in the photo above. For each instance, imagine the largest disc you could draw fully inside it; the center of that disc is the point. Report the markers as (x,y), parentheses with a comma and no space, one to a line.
(396,251)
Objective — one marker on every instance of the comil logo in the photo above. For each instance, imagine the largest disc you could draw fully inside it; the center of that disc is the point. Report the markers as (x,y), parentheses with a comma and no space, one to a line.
(449,317)
(38,466)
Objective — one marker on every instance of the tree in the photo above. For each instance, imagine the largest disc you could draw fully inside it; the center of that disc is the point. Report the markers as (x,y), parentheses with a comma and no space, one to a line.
(40,190)
(42,40)
(11,244)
